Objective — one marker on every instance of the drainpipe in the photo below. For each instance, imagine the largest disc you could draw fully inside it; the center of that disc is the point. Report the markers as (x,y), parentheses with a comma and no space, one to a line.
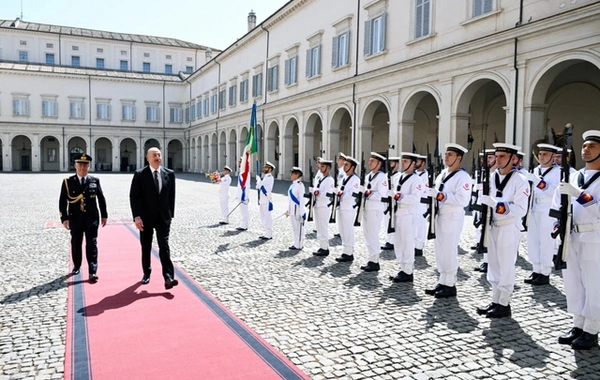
(354,106)
(518,24)
(90,99)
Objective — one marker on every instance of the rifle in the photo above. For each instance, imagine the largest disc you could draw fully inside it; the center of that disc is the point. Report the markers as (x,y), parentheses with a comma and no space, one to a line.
(525,220)
(431,201)
(474,192)
(565,214)
(310,195)
(391,228)
(334,197)
(486,212)
(359,201)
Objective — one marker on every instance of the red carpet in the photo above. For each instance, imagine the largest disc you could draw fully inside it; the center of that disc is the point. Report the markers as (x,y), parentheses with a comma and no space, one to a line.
(120,329)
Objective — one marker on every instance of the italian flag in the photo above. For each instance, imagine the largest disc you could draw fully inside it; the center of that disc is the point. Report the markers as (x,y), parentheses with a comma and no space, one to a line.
(249,149)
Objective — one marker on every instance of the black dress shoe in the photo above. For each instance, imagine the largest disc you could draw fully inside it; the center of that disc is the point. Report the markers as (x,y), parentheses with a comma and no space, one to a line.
(432,291)
(93,278)
(569,337)
(370,267)
(241,229)
(585,341)
(169,283)
(222,223)
(474,247)
(264,238)
(387,246)
(485,309)
(145,280)
(293,248)
(418,252)
(531,277)
(75,271)
(321,252)
(345,258)
(499,311)
(483,268)
(337,235)
(541,280)
(402,277)
(446,292)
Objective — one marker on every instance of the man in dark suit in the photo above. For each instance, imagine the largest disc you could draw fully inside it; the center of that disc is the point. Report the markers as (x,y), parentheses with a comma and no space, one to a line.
(152,200)
(80,196)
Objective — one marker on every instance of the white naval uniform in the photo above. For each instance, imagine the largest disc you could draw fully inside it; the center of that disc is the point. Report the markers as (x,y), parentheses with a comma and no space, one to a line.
(386,217)
(265,187)
(449,222)
(419,220)
(505,234)
(322,209)
(224,197)
(408,210)
(243,195)
(377,184)
(297,212)
(582,276)
(347,212)
(540,245)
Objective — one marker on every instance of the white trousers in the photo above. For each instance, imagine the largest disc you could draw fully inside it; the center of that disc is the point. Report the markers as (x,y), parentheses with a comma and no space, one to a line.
(371,224)
(503,244)
(321,217)
(404,242)
(447,234)
(244,214)
(420,229)
(266,219)
(297,231)
(345,222)
(540,245)
(582,284)
(224,201)
(389,238)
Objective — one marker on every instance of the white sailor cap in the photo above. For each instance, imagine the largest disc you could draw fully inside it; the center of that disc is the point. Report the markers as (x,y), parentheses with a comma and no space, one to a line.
(559,150)
(421,157)
(508,148)
(326,162)
(351,160)
(297,169)
(270,165)
(377,156)
(394,159)
(319,159)
(547,148)
(227,168)
(341,155)
(520,154)
(409,155)
(489,152)
(592,134)
(459,149)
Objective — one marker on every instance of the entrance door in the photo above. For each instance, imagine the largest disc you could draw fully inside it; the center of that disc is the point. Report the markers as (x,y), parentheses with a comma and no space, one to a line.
(25,163)
(124,164)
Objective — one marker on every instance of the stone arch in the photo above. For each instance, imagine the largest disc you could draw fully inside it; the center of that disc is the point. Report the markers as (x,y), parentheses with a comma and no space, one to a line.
(21,153)
(291,146)
(50,153)
(419,115)
(340,130)
(375,127)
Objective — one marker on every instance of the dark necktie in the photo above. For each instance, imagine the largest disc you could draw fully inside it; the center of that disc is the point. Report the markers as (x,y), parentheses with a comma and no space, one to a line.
(156,180)
(82,181)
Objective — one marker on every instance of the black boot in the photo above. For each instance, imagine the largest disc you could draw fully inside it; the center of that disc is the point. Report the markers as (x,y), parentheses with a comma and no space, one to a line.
(321,252)
(483,268)
(432,291)
(402,277)
(484,310)
(585,341)
(370,267)
(499,311)
(418,252)
(541,280)
(531,277)
(345,258)
(446,292)
(569,337)
(387,246)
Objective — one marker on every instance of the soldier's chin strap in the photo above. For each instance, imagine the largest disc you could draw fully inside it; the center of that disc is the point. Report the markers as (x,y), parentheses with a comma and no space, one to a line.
(509,161)
(590,161)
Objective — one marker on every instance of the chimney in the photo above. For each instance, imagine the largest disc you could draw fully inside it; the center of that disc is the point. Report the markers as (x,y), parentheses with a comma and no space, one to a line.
(251,20)
(208,54)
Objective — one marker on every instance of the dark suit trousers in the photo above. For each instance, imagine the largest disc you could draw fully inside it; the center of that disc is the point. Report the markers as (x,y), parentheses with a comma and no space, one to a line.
(162,236)
(91,249)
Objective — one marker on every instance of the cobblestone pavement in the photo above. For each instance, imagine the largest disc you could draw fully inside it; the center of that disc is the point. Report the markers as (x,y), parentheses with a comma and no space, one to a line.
(329,318)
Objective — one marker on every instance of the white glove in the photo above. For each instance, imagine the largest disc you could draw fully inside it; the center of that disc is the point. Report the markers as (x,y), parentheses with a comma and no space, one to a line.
(257,178)
(479,186)
(311,189)
(568,189)
(533,178)
(432,193)
(488,201)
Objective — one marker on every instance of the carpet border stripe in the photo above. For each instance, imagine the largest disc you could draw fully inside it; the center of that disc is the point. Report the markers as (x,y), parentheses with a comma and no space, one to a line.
(80,348)
(260,348)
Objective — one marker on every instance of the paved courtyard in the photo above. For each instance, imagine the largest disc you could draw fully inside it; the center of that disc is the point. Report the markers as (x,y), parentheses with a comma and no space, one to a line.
(331,319)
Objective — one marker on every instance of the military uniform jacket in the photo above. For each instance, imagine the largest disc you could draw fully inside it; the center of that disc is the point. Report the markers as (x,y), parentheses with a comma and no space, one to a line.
(457,191)
(296,206)
(513,199)
(324,188)
(351,185)
(266,188)
(145,200)
(410,192)
(79,204)
(544,191)
(377,183)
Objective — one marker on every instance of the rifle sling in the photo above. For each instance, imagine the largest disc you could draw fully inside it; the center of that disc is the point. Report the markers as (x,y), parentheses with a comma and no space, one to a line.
(581,179)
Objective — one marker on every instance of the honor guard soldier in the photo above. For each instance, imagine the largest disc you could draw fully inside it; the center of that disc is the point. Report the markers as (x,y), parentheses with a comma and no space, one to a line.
(540,245)
(519,166)
(452,191)
(243,195)
(508,199)
(224,183)
(420,219)
(408,191)
(341,160)
(296,208)
(323,193)
(490,156)
(558,158)
(582,275)
(394,173)
(376,188)
(265,203)
(350,186)
(80,196)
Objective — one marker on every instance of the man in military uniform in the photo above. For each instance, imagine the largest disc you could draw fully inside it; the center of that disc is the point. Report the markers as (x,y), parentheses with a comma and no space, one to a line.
(393,175)
(224,183)
(490,156)
(350,186)
(296,208)
(582,275)
(323,193)
(420,220)
(243,195)
(80,197)
(265,188)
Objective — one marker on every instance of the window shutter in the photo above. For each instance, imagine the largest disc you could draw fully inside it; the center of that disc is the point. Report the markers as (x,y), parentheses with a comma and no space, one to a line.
(98,111)
(286,72)
(148,114)
(347,49)
(308,61)
(276,78)
(368,38)
(108,112)
(383,30)
(318,60)
(426,9)
(132,112)
(335,52)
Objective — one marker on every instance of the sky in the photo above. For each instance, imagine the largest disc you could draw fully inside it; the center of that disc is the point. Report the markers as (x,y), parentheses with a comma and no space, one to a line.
(213,23)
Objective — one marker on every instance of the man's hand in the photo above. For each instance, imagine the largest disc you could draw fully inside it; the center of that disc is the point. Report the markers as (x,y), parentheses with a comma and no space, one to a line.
(488,201)
(66,224)
(432,193)
(138,223)
(103,221)
(568,189)
(533,178)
